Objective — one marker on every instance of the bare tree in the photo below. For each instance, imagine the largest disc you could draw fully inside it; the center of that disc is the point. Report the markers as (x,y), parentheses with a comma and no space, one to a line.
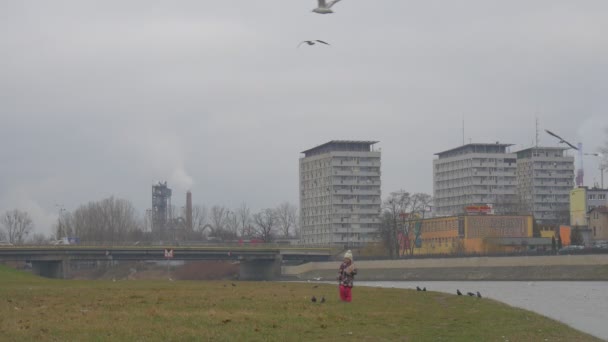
(232,224)
(394,206)
(420,204)
(64,226)
(17,225)
(265,223)
(199,217)
(286,217)
(402,213)
(218,219)
(38,239)
(244,216)
(110,220)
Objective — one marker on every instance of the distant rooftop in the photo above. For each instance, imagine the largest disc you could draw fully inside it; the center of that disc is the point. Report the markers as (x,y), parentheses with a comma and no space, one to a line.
(341,145)
(475,148)
(544,148)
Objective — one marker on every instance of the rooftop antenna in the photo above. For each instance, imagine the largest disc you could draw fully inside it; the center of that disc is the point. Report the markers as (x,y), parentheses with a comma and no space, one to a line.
(536,143)
(463,130)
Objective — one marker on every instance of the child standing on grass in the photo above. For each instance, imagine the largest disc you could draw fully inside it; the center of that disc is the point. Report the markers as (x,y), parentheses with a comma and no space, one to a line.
(346,275)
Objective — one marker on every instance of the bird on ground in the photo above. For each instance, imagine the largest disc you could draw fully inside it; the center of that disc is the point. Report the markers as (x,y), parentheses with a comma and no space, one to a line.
(418,288)
(313,42)
(424,289)
(458,292)
(314,287)
(313,299)
(478,294)
(325,7)
(322,299)
(470,294)
(561,140)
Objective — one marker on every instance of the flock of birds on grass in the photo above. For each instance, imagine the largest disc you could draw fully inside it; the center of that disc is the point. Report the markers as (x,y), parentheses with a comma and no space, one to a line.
(323,7)
(470,294)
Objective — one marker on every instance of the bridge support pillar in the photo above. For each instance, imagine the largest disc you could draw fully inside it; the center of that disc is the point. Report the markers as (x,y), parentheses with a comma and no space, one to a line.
(50,268)
(260,269)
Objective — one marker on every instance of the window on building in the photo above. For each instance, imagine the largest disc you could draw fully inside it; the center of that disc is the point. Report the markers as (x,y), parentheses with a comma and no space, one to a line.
(601,196)
(591,197)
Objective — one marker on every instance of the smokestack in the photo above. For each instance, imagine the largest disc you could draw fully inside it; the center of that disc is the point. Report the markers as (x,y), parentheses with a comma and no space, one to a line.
(189,210)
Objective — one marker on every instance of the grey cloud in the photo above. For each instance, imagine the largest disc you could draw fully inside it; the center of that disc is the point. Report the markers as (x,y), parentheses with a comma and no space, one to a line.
(101,98)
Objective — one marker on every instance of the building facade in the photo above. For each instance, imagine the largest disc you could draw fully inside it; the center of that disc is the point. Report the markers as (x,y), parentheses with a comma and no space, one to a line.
(473,174)
(466,234)
(598,223)
(340,197)
(545,177)
(582,201)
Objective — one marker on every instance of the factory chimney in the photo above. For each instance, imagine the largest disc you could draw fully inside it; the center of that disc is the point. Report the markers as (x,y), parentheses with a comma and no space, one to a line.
(189,210)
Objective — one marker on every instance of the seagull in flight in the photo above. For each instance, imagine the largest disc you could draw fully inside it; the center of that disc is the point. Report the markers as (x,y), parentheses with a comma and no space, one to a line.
(313,42)
(325,7)
(561,140)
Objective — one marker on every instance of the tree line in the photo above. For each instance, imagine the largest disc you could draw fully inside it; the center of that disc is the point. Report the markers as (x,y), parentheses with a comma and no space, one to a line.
(115,221)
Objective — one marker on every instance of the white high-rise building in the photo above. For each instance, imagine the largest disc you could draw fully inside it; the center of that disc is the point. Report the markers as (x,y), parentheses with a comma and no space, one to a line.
(473,174)
(545,177)
(340,199)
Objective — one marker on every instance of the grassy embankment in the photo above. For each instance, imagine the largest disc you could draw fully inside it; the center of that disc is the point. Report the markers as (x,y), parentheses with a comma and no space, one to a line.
(33,308)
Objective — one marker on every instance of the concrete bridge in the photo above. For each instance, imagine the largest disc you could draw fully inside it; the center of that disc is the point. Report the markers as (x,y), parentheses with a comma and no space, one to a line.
(255,263)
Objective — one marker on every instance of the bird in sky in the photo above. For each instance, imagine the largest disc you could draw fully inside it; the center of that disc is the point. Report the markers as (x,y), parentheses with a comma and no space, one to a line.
(325,7)
(561,140)
(313,42)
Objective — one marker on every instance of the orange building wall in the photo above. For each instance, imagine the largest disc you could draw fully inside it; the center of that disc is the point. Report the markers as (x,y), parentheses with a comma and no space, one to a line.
(564,233)
(440,235)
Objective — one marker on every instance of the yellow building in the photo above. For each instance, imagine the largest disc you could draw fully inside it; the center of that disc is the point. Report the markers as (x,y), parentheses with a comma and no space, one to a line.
(578,207)
(475,234)
(582,201)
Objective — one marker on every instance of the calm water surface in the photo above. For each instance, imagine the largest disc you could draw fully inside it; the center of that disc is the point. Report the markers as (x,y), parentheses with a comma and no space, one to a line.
(580,304)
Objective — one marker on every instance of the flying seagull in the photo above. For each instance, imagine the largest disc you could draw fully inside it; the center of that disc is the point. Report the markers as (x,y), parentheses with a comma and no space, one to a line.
(313,42)
(561,140)
(325,7)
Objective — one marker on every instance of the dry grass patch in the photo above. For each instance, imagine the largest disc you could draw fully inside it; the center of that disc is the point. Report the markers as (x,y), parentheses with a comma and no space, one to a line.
(39,309)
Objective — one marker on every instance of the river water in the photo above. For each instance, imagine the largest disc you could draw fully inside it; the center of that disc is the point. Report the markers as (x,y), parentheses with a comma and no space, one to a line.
(582,305)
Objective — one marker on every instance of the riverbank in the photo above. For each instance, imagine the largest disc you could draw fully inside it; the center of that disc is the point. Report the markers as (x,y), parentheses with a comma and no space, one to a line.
(558,267)
(50,309)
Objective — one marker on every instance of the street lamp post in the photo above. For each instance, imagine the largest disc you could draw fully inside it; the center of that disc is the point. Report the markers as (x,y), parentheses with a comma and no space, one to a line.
(602,167)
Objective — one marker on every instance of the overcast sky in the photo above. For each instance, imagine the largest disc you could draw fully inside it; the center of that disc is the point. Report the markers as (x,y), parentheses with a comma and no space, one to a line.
(105,98)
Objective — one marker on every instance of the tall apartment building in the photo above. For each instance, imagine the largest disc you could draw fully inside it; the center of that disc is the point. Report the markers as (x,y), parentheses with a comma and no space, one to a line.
(473,174)
(340,199)
(545,176)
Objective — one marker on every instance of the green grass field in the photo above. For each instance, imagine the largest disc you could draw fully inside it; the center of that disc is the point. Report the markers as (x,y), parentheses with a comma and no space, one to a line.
(37,309)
